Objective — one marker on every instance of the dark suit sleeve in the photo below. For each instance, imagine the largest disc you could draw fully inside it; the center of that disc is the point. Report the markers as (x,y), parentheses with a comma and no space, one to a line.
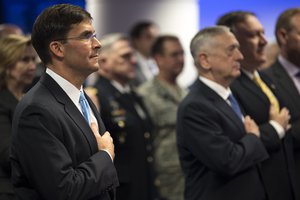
(251,105)
(56,175)
(202,132)
(269,137)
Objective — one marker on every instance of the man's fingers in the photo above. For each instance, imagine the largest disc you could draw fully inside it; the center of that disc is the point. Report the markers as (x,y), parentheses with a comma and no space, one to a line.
(95,129)
(108,135)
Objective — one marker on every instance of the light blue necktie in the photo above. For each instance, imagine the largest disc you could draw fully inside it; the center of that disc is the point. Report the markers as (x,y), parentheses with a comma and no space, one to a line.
(235,106)
(84,107)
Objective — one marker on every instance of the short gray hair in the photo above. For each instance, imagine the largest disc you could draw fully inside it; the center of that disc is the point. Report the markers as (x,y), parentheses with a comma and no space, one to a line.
(204,37)
(108,40)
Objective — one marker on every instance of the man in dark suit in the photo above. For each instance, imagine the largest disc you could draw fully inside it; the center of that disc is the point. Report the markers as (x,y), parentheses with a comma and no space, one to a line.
(219,149)
(284,74)
(126,118)
(57,151)
(260,103)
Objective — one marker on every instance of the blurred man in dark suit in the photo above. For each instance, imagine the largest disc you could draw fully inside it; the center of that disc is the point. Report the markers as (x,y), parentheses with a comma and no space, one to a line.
(285,75)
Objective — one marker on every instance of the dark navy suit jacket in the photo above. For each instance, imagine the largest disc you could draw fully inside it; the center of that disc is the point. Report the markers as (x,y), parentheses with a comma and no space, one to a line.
(219,160)
(54,151)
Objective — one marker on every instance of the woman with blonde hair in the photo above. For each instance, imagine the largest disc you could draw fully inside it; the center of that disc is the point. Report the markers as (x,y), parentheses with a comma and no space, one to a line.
(17,70)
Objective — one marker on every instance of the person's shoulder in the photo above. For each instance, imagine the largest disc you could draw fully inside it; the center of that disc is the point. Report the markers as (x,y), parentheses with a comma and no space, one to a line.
(147,88)
(7,98)
(195,98)
(104,88)
(38,97)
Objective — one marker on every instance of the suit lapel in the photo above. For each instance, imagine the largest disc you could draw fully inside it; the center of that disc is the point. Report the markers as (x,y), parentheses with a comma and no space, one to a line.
(71,110)
(286,82)
(253,88)
(228,111)
(221,105)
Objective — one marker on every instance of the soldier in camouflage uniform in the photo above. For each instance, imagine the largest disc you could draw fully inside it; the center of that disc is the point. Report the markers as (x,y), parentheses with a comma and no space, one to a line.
(162,96)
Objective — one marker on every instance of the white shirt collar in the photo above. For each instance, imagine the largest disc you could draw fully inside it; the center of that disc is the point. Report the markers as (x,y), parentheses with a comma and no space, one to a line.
(68,87)
(122,89)
(251,75)
(219,89)
(289,67)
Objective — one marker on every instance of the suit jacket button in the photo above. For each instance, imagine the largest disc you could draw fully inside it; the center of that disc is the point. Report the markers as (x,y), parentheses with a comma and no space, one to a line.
(149,147)
(149,159)
(147,135)
(157,182)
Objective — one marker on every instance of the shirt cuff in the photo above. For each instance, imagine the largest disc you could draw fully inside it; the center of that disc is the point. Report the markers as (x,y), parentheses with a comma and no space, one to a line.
(109,154)
(279,129)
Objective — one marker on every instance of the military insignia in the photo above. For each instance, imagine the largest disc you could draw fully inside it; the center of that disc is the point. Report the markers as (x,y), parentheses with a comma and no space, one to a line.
(121,124)
(118,114)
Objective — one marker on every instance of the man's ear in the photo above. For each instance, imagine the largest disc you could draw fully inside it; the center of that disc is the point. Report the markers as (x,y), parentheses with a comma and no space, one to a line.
(204,61)
(57,49)
(158,59)
(282,35)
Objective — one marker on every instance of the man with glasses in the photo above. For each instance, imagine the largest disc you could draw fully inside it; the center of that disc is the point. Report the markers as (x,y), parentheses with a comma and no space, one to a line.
(60,149)
(219,149)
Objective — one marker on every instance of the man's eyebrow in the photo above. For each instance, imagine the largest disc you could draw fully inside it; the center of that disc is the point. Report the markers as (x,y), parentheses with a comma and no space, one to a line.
(87,32)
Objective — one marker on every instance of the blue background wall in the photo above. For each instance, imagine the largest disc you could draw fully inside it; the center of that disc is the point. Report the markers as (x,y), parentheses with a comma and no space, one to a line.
(267,11)
(24,12)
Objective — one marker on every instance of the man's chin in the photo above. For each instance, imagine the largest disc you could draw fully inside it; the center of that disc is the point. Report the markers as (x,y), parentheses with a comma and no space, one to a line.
(236,74)
(95,68)
(261,60)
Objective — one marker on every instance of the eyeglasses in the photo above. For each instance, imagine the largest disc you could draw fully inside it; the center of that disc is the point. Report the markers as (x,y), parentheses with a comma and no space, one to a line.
(86,37)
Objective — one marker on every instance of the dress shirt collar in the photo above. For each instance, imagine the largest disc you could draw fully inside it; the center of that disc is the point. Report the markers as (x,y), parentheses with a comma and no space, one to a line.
(122,89)
(250,74)
(219,89)
(289,67)
(68,87)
